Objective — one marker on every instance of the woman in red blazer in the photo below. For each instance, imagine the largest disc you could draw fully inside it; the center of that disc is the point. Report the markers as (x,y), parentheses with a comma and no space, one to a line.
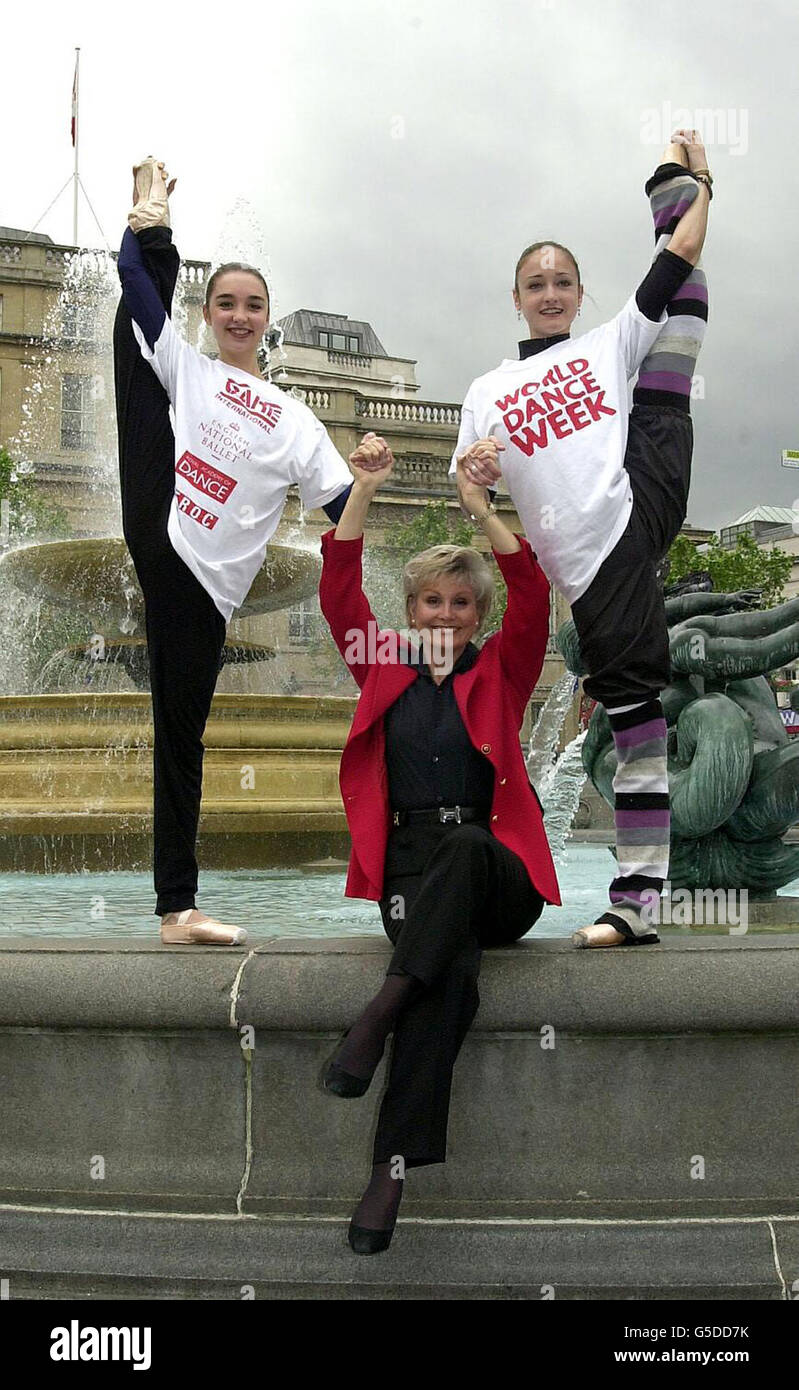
(447,831)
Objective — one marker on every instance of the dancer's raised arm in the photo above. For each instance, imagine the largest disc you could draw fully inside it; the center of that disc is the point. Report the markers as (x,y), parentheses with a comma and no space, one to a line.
(371,464)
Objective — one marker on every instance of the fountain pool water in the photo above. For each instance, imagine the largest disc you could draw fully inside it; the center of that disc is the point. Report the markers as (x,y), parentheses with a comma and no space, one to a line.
(268,902)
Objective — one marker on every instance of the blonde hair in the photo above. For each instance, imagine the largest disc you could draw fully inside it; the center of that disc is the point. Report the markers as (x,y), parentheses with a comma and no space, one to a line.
(462,561)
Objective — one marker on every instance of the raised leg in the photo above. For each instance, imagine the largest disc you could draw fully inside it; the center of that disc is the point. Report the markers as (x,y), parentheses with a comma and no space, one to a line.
(666,374)
(185,630)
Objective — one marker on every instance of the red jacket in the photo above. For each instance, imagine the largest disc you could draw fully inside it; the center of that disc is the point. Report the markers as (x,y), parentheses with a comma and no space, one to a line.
(492,697)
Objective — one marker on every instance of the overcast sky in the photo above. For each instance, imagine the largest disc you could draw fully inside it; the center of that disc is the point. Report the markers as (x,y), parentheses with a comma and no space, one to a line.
(399,157)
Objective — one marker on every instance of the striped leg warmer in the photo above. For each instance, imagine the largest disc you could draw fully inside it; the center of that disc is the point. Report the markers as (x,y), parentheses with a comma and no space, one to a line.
(642,817)
(667,372)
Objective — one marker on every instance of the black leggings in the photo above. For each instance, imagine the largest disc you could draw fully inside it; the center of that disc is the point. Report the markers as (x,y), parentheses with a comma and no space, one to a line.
(621,619)
(185,630)
(450,891)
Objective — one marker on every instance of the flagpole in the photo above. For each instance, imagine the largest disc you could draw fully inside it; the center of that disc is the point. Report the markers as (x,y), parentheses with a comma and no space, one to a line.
(77,135)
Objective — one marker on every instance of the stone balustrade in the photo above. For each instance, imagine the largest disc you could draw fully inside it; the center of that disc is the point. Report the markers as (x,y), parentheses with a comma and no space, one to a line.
(420,473)
(411,412)
(316,398)
(194,272)
(349,359)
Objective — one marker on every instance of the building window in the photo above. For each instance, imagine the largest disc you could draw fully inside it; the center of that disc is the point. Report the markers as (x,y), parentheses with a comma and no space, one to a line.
(78,323)
(339,342)
(730,534)
(301,624)
(77,412)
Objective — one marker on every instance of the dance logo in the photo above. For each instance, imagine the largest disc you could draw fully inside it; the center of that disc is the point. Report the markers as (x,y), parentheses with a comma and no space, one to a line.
(204,477)
(566,400)
(248,402)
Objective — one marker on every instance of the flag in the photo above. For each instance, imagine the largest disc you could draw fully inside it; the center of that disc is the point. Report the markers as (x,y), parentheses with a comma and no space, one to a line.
(74,121)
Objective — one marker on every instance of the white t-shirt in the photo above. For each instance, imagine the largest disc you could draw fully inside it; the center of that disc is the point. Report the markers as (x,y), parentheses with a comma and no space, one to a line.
(562,416)
(239,445)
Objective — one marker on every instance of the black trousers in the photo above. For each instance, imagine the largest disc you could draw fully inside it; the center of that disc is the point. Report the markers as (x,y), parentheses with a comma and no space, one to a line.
(621,618)
(185,630)
(450,891)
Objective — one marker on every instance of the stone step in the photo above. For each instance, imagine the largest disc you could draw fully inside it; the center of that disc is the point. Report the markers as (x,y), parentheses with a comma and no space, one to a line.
(49,1254)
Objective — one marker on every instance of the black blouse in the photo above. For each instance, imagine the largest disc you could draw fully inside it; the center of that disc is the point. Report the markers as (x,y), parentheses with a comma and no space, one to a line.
(431,760)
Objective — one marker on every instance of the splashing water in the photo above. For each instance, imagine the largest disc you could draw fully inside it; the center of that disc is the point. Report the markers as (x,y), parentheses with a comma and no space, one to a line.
(558,780)
(65,410)
(543,746)
(560,793)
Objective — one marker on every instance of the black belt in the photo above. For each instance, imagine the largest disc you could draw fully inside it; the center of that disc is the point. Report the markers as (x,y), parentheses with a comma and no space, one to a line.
(445,814)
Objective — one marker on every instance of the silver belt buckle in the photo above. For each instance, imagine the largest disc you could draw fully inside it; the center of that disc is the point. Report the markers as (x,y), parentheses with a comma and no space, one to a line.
(449,813)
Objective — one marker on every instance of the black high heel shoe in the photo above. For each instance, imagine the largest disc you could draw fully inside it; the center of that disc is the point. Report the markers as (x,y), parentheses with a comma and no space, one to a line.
(366,1242)
(338,1082)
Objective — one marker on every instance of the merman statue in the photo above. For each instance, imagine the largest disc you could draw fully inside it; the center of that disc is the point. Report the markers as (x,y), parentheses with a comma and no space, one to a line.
(733,770)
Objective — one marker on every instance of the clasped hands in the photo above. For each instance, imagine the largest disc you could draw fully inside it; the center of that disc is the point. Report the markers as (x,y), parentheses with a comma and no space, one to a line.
(478,468)
(372,461)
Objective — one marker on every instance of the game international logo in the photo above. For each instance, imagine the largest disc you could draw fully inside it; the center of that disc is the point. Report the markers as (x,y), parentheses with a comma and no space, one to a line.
(267,413)
(210,481)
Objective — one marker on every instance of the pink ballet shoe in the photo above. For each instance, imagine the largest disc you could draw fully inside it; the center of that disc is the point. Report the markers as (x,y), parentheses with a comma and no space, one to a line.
(207,931)
(150,195)
(600,934)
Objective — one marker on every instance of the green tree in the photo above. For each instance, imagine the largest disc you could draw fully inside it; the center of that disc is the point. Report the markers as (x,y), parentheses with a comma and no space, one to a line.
(30,516)
(435,525)
(744,566)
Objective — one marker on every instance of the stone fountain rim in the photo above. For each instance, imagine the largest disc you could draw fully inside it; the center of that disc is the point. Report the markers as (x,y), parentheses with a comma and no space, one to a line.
(129,699)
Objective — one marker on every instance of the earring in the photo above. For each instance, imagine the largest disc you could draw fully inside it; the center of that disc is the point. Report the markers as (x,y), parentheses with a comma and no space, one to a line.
(518,313)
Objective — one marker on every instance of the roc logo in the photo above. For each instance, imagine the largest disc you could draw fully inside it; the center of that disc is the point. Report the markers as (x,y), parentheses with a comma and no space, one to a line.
(267,413)
(195,511)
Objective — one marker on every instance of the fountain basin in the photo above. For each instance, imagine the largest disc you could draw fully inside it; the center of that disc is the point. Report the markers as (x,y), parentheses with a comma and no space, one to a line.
(76,781)
(95,575)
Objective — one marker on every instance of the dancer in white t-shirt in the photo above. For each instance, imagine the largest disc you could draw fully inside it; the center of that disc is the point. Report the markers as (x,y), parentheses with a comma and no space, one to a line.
(602,494)
(200,501)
